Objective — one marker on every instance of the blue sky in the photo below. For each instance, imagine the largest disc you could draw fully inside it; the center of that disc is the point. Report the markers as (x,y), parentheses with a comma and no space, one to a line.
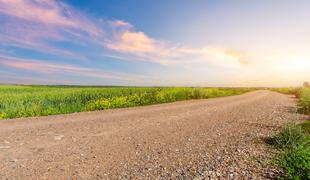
(162,42)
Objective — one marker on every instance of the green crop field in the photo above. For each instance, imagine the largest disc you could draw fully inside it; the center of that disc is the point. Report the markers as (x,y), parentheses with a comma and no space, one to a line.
(27,101)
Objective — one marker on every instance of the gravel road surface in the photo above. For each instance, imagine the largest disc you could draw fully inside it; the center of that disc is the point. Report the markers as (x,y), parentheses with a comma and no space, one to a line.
(202,139)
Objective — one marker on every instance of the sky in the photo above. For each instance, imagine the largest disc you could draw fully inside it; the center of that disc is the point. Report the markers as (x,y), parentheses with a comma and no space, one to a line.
(228,43)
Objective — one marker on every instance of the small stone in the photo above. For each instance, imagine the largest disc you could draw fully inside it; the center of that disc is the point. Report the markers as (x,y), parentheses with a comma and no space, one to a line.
(13,160)
(5,147)
(58,137)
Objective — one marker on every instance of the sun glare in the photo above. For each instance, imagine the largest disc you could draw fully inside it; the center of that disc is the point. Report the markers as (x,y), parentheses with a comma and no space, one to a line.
(296,64)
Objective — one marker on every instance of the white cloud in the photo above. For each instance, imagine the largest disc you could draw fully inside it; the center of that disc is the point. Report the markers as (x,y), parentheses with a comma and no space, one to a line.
(46,21)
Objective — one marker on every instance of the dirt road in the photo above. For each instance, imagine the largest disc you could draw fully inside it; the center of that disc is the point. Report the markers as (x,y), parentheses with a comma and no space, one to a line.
(218,137)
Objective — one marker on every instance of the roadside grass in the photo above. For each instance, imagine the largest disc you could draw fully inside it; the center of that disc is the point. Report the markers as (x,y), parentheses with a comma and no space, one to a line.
(303,95)
(28,101)
(289,137)
(294,91)
(306,127)
(304,101)
(293,144)
(163,96)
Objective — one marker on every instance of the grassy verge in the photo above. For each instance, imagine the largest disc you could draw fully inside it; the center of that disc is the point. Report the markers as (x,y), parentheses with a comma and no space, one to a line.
(294,91)
(303,95)
(293,143)
(27,101)
(304,101)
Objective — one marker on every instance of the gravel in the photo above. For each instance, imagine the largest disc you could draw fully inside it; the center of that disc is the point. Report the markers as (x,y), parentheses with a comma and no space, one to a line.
(197,139)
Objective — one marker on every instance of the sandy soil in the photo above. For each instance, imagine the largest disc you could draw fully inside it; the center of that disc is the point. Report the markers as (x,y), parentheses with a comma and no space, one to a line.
(200,139)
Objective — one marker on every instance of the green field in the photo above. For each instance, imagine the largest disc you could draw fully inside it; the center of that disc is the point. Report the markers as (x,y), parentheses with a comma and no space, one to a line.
(28,101)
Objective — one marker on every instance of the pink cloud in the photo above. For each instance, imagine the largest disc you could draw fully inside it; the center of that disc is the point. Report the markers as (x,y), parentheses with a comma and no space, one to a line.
(136,45)
(8,79)
(39,11)
(133,42)
(45,67)
(48,12)
(120,23)
(35,23)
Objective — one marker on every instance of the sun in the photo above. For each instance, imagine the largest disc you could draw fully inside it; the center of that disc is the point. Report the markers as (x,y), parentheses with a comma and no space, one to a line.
(296,63)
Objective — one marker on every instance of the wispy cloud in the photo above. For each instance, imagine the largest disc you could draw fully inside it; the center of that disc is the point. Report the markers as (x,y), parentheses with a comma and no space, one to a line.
(133,42)
(8,79)
(45,67)
(137,45)
(36,24)
(50,13)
